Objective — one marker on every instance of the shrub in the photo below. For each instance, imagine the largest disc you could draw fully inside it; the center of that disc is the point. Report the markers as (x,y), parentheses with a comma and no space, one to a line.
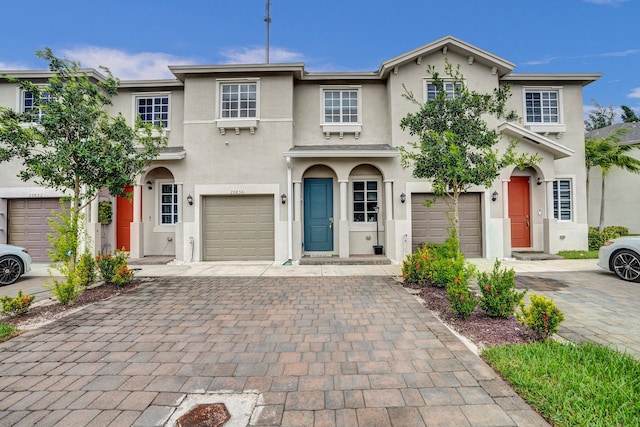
(597,237)
(461,299)
(113,268)
(543,317)
(16,306)
(446,270)
(86,270)
(65,291)
(415,269)
(499,297)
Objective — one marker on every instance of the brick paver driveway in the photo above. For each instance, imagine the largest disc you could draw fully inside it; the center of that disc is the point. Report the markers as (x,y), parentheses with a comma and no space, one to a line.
(343,351)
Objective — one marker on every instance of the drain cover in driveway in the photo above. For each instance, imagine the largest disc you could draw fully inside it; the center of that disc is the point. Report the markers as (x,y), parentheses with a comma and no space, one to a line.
(206,415)
(239,406)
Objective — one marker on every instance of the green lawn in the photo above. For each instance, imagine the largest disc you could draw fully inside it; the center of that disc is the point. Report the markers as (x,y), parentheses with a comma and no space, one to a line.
(7,332)
(572,385)
(579,254)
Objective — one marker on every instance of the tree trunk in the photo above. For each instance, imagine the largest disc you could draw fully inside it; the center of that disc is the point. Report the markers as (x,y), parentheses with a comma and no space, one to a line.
(601,225)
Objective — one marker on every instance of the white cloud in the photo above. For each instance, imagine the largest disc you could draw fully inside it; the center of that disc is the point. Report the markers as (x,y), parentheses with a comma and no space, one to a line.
(635,93)
(13,66)
(127,66)
(256,55)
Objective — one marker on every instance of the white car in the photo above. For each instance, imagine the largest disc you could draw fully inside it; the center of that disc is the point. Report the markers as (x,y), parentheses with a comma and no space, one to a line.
(622,256)
(14,262)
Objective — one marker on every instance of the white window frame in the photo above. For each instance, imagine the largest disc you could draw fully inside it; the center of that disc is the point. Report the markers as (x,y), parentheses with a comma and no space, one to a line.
(22,108)
(236,123)
(159,226)
(555,199)
(365,225)
(449,88)
(544,127)
(147,95)
(341,128)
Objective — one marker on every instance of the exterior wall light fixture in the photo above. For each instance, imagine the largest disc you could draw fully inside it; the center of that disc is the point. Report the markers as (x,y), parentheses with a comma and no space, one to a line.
(149,185)
(283,198)
(494,196)
(403,198)
(190,200)
(539,181)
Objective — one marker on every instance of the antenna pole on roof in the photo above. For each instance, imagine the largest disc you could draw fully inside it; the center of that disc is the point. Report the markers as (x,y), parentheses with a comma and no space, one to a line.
(267,19)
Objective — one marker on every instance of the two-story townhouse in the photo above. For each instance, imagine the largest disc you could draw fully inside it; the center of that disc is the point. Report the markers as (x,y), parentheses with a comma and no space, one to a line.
(271,162)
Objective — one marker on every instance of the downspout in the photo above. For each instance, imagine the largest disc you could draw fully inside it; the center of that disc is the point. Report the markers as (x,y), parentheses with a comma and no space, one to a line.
(289,212)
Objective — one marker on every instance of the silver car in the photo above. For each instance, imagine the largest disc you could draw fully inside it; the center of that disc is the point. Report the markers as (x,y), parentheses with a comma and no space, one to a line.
(14,262)
(622,256)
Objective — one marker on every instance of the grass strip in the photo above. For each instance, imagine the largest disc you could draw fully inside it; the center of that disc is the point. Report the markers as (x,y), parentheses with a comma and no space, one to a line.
(7,332)
(579,254)
(572,385)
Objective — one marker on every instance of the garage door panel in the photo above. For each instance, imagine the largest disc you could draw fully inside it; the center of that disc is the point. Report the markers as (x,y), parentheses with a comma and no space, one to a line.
(29,227)
(238,228)
(430,224)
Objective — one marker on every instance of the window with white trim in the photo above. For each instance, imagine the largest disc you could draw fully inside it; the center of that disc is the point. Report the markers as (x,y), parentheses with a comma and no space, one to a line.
(452,89)
(238,100)
(562,200)
(365,200)
(341,105)
(31,105)
(169,208)
(542,106)
(153,109)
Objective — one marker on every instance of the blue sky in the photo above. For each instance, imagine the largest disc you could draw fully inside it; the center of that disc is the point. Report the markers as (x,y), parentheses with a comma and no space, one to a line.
(137,39)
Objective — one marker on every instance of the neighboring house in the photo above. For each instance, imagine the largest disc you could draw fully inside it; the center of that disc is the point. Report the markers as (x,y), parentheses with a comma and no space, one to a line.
(271,162)
(622,199)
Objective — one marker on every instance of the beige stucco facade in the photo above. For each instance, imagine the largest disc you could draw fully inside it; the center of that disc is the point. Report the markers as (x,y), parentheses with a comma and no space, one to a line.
(286,152)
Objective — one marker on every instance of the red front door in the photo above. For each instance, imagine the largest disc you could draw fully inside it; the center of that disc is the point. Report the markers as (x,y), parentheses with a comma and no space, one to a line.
(520,212)
(125,218)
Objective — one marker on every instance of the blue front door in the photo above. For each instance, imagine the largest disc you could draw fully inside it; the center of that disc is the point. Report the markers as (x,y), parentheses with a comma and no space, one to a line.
(318,214)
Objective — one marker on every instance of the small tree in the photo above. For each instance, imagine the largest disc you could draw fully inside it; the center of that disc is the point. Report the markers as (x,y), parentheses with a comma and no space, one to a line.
(607,153)
(628,115)
(599,117)
(72,144)
(455,147)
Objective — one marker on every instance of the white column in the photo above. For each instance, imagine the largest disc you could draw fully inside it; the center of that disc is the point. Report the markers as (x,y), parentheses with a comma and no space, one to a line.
(344,200)
(388,200)
(137,202)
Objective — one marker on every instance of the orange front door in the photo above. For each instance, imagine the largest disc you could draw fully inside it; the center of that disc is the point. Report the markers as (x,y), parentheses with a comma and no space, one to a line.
(125,218)
(520,212)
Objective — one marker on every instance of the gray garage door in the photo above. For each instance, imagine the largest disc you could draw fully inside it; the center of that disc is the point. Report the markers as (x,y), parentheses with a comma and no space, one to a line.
(28,225)
(430,224)
(238,228)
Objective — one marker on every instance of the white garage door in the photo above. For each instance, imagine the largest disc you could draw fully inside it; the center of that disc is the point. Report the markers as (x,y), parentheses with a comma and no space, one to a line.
(28,225)
(238,228)
(430,224)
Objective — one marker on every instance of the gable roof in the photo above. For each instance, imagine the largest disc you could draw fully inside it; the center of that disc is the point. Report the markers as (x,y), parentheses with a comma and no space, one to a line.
(446,44)
(631,137)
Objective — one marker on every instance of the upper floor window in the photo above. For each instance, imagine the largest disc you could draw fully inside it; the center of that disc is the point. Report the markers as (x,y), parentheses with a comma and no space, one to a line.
(238,100)
(562,200)
(153,109)
(542,106)
(365,201)
(452,89)
(169,207)
(31,105)
(341,106)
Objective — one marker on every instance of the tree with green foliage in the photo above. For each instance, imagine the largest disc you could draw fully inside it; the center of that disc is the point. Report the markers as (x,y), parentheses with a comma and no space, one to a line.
(607,153)
(455,147)
(599,117)
(628,115)
(71,144)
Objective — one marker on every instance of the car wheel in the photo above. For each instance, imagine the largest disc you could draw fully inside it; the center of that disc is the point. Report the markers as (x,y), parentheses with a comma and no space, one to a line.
(626,264)
(10,270)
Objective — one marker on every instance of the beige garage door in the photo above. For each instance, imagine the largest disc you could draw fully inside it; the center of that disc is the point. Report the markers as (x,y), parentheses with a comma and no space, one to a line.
(430,224)
(28,225)
(238,228)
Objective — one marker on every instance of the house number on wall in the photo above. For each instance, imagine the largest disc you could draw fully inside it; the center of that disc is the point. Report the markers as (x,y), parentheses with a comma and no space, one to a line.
(36,195)
(237,191)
